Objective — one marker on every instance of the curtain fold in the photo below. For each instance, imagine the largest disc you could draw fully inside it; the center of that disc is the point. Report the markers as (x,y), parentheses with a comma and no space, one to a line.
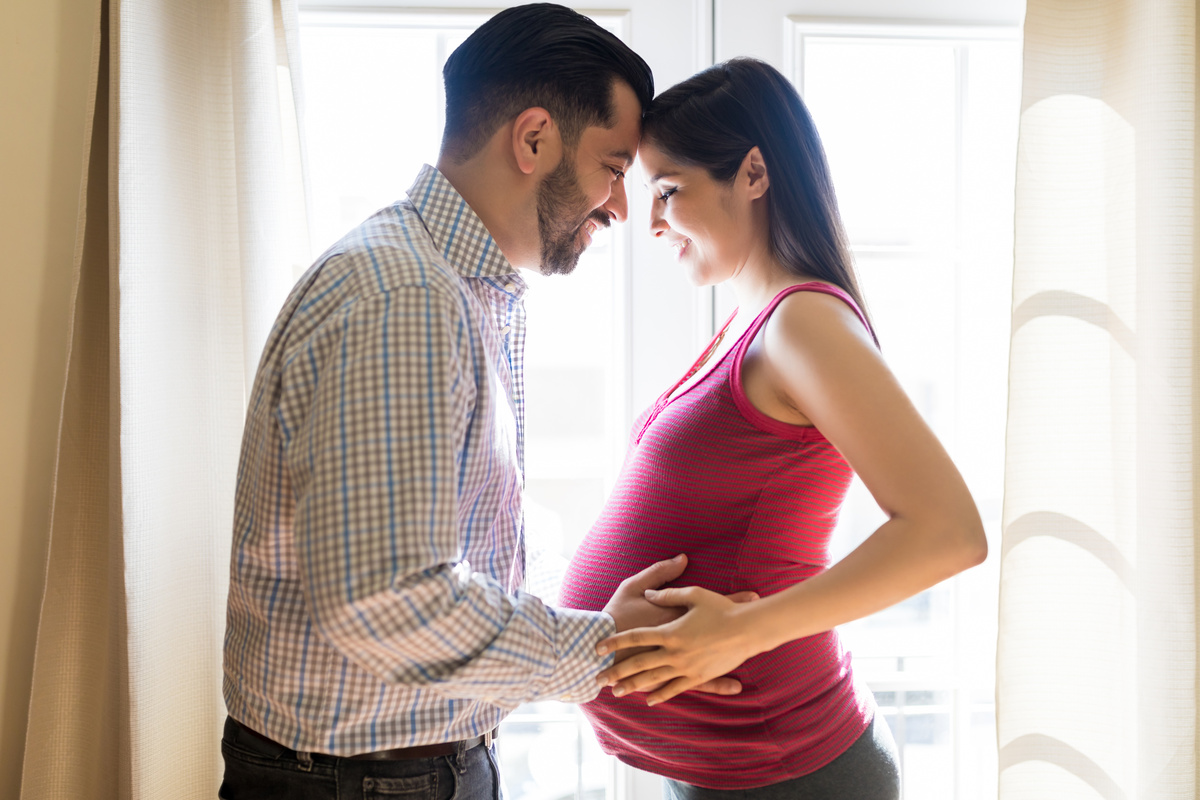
(1096,664)
(191,232)
(78,700)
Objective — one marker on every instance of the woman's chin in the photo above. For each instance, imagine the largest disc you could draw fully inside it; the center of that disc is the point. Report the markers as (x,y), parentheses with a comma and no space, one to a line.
(700,277)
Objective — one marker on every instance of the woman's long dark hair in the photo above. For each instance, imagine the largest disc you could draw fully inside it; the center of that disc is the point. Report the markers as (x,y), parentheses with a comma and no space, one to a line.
(715,117)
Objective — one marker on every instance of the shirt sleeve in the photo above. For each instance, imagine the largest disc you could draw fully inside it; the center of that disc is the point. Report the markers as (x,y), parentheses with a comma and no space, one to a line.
(375,469)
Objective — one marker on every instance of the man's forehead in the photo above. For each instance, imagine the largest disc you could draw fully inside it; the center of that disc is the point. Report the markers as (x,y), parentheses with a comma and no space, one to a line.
(618,143)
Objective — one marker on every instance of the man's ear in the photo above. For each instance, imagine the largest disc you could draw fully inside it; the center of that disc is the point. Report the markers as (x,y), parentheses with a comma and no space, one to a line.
(755,171)
(534,137)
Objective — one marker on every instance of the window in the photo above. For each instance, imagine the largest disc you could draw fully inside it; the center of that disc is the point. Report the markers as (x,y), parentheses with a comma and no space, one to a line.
(920,127)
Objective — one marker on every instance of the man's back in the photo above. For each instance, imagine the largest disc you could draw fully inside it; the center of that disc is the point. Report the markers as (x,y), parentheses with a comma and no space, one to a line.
(383,446)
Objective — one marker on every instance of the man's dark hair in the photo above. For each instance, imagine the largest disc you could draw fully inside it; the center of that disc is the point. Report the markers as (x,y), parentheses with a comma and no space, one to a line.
(542,55)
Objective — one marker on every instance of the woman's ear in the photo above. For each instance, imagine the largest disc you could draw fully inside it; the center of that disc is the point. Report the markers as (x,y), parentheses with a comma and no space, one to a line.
(535,138)
(755,170)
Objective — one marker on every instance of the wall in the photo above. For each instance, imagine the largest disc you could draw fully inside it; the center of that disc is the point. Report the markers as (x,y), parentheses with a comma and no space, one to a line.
(45,57)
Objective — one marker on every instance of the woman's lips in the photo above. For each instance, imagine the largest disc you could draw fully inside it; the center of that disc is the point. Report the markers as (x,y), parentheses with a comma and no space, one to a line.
(681,247)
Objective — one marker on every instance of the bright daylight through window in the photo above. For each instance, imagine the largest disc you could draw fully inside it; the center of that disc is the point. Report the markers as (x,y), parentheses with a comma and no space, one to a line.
(920,130)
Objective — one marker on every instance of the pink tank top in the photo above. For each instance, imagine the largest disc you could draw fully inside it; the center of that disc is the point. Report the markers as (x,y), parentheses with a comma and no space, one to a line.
(753,502)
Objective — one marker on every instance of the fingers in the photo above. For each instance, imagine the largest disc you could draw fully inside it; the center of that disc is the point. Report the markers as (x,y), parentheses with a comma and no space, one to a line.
(675,687)
(724,686)
(630,666)
(693,595)
(672,597)
(637,637)
(657,574)
(645,681)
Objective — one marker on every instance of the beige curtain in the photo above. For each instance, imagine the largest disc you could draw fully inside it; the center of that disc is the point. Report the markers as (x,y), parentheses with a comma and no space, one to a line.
(1096,669)
(191,231)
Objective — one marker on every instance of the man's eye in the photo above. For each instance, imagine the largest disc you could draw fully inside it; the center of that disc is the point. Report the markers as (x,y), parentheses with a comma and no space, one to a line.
(617,173)
(665,196)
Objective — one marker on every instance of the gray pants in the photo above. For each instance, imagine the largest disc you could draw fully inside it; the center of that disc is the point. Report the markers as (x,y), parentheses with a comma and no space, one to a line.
(868,770)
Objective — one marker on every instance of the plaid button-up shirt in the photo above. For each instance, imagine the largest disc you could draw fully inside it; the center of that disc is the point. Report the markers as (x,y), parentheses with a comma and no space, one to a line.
(378,547)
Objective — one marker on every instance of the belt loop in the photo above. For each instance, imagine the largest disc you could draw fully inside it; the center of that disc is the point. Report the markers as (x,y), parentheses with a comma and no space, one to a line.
(488,738)
(459,760)
(305,759)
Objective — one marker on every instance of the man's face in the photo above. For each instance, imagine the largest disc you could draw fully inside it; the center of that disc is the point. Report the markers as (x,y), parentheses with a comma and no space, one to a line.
(586,191)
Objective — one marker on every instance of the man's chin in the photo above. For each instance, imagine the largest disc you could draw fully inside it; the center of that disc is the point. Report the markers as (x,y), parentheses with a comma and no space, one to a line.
(562,263)
(559,266)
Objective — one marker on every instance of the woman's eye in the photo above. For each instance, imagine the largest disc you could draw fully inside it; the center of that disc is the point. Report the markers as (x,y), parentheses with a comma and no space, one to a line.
(667,194)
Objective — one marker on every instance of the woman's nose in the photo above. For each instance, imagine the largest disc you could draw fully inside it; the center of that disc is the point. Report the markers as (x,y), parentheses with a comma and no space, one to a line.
(658,225)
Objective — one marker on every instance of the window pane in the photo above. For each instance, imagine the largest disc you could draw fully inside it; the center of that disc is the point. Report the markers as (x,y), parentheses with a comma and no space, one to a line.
(921,722)
(539,749)
(886,114)
(921,138)
(367,133)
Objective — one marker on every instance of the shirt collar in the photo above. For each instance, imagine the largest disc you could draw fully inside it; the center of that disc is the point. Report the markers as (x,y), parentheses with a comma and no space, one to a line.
(458,231)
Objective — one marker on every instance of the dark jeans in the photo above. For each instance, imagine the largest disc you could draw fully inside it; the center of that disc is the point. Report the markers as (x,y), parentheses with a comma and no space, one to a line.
(868,770)
(256,770)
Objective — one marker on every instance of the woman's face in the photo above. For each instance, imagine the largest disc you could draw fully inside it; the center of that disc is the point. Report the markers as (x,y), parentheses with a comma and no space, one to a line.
(707,223)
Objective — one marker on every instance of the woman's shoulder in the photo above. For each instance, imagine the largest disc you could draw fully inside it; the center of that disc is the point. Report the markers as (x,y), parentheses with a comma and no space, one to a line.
(816,313)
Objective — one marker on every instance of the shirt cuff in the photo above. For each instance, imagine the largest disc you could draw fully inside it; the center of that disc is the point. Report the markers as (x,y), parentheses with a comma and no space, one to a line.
(573,679)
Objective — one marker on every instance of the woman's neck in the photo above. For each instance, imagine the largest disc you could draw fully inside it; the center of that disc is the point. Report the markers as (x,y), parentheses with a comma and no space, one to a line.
(758,281)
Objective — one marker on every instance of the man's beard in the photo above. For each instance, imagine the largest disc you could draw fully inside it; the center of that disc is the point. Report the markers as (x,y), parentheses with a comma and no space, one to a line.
(562,210)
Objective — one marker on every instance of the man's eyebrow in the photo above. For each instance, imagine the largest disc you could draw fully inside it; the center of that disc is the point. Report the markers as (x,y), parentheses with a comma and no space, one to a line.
(624,155)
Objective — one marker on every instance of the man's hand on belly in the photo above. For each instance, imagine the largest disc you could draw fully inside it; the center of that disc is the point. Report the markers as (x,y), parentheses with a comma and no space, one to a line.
(630,609)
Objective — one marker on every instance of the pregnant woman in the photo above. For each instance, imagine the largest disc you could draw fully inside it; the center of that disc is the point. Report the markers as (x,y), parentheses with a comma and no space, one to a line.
(743,465)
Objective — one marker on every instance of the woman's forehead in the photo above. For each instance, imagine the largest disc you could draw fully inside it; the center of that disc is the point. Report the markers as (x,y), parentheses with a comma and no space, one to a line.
(655,164)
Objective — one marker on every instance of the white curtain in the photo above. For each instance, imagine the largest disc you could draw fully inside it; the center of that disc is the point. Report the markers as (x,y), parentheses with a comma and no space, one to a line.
(1096,667)
(191,232)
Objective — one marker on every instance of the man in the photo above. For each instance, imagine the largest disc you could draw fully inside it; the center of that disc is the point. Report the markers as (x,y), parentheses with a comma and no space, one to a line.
(376,631)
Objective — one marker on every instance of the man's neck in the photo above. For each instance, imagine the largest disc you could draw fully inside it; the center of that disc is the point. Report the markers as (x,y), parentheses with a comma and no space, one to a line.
(506,207)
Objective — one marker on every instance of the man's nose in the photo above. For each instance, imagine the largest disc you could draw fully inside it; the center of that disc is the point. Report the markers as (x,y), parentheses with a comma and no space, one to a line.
(617,205)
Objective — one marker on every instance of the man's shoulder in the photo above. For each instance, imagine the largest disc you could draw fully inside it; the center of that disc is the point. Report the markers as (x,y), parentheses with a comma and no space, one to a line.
(387,254)
(392,250)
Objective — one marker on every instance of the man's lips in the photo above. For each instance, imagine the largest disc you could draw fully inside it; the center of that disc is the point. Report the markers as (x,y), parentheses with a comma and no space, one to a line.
(591,225)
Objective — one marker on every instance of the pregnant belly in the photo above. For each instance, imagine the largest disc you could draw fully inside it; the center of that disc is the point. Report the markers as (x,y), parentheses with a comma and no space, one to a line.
(606,557)
(719,560)
(598,567)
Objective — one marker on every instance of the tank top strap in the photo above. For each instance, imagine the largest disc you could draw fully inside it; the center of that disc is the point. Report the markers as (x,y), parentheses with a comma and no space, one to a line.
(742,402)
(810,286)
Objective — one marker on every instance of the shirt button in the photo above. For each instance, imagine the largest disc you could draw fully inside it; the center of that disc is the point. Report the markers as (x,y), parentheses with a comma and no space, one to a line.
(504,331)
(510,287)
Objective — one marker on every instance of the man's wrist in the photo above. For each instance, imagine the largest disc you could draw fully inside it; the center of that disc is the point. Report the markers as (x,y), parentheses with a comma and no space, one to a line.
(574,677)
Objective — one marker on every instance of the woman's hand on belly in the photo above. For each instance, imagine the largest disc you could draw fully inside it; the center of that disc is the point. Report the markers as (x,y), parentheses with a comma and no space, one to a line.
(633,612)
(710,640)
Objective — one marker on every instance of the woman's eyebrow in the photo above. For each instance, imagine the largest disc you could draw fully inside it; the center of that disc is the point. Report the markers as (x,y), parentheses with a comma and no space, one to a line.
(661,175)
